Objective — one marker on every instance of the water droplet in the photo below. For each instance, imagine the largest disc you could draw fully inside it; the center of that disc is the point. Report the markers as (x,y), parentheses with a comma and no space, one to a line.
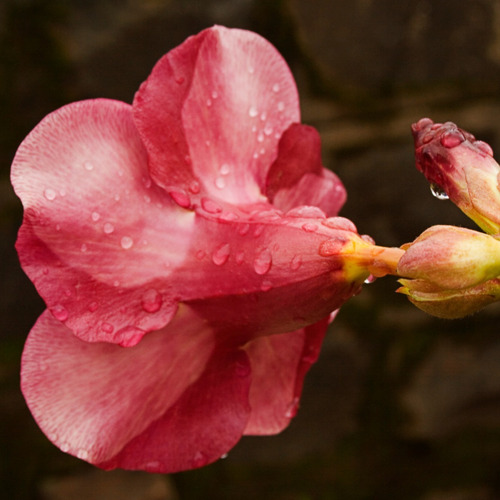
(62,192)
(295,263)
(258,231)
(252,112)
(260,137)
(93,306)
(276,87)
(224,169)
(224,456)
(293,408)
(340,223)
(229,216)
(117,197)
(268,130)
(208,102)
(50,194)
(147,198)
(199,459)
(64,447)
(130,336)
(281,106)
(452,139)
(83,248)
(126,242)
(438,192)
(82,454)
(484,147)
(263,116)
(153,466)
(180,80)
(244,228)
(194,187)
(87,165)
(370,279)
(310,227)
(220,182)
(200,254)
(59,312)
(239,257)
(107,327)
(266,286)
(332,247)
(108,228)
(263,261)
(210,206)
(95,216)
(151,301)
(215,94)
(181,198)
(306,211)
(251,69)
(221,254)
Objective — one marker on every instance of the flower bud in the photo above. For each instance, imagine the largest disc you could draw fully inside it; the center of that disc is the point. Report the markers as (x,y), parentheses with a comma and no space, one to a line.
(460,168)
(450,304)
(452,258)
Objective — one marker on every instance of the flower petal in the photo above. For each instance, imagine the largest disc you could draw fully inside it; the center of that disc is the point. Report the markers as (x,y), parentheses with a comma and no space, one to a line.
(93,236)
(166,404)
(297,176)
(279,365)
(201,125)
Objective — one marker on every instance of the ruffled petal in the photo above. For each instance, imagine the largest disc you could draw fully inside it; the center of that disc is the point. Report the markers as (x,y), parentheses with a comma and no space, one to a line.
(297,176)
(279,365)
(98,238)
(167,404)
(212,112)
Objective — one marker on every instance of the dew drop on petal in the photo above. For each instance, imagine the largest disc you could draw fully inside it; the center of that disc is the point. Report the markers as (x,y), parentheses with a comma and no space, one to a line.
(126,242)
(107,327)
(224,169)
(239,257)
(370,279)
(179,80)
(258,231)
(221,254)
(252,112)
(59,312)
(263,261)
(295,263)
(181,198)
(438,192)
(292,408)
(95,216)
(82,454)
(210,206)
(266,286)
(281,106)
(83,248)
(200,254)
(220,183)
(276,87)
(244,228)
(151,301)
(93,306)
(50,194)
(108,228)
(208,102)
(215,94)
(199,460)
(194,187)
(87,165)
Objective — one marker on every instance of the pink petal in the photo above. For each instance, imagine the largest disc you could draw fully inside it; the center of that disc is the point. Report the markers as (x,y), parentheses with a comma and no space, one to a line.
(169,403)
(279,365)
(212,112)
(297,176)
(93,236)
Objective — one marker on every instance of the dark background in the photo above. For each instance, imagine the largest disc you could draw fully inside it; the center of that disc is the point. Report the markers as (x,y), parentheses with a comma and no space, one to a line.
(400,405)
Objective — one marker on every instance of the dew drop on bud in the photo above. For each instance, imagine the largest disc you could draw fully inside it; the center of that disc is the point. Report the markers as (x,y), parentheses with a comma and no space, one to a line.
(438,192)
(452,139)
(263,262)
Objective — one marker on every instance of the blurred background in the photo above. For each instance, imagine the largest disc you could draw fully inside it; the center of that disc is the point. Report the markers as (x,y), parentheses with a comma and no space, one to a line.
(400,405)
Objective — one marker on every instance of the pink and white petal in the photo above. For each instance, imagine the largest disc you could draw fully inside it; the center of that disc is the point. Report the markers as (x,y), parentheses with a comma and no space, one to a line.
(279,365)
(297,176)
(239,96)
(205,423)
(93,218)
(94,400)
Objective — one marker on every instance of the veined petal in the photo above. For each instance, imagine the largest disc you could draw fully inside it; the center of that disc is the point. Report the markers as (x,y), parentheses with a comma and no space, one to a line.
(166,404)
(212,113)
(297,176)
(279,365)
(97,233)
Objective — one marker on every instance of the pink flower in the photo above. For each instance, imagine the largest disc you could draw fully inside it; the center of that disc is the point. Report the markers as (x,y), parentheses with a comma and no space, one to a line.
(176,243)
